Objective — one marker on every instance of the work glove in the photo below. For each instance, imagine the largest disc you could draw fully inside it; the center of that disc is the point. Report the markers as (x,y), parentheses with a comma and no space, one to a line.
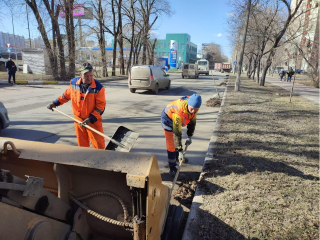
(50,106)
(181,157)
(85,122)
(188,141)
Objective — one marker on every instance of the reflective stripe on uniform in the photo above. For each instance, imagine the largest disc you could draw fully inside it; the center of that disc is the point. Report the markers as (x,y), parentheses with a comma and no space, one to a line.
(98,110)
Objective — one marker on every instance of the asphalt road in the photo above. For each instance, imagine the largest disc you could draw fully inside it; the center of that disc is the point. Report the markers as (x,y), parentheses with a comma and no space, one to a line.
(31,120)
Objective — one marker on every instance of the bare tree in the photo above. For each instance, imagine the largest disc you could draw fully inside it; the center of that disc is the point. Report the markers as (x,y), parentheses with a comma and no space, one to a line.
(34,7)
(53,9)
(129,12)
(214,53)
(279,34)
(68,7)
(244,35)
(150,10)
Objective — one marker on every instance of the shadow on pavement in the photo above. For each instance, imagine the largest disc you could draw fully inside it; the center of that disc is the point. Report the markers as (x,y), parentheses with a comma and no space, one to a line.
(33,135)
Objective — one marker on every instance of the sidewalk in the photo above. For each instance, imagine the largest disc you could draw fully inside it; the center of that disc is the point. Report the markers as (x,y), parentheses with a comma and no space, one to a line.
(310,93)
(48,82)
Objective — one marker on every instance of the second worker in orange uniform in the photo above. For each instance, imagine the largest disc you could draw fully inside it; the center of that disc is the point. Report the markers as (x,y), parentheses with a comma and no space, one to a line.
(88,103)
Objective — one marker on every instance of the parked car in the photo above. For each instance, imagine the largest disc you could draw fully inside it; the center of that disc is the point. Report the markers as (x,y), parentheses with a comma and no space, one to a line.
(2,64)
(146,77)
(4,119)
(299,71)
(190,70)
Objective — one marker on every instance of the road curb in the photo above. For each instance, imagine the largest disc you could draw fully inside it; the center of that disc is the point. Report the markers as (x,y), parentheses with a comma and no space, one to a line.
(197,201)
(52,82)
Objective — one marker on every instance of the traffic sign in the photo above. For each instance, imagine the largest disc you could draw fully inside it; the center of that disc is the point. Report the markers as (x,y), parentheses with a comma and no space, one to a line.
(8,45)
(235,63)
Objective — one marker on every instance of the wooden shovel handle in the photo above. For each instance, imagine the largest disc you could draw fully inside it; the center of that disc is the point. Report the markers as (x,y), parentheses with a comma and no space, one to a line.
(92,129)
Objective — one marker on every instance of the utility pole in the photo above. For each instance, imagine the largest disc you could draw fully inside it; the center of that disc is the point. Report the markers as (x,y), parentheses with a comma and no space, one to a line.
(28,24)
(15,44)
(245,28)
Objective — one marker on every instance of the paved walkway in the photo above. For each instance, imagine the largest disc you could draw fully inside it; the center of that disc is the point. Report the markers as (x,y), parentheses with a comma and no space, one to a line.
(310,93)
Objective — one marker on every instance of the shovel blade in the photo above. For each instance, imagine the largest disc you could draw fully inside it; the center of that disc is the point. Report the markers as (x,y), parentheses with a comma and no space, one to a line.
(124,136)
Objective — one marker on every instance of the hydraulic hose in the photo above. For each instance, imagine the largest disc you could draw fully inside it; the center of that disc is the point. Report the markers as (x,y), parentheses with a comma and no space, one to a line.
(97,215)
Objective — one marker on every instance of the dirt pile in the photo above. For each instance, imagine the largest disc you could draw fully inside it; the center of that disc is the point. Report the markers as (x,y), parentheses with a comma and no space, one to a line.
(185,192)
(213,102)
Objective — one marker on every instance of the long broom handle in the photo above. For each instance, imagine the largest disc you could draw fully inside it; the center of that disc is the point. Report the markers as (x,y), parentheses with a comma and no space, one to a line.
(92,129)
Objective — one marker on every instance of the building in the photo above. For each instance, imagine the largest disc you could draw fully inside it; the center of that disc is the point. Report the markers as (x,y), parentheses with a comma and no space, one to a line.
(36,61)
(305,32)
(15,41)
(186,51)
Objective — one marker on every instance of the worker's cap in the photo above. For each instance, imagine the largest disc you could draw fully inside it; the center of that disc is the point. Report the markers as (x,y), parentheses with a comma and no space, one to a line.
(86,67)
(195,100)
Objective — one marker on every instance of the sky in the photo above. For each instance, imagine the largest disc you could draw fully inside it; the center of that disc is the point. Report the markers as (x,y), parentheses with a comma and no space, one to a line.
(204,20)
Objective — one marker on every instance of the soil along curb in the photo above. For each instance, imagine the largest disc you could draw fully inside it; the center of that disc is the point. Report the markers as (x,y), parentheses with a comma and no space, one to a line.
(190,228)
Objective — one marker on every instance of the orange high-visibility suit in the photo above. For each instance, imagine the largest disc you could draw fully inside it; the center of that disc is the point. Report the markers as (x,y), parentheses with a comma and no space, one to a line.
(174,116)
(86,103)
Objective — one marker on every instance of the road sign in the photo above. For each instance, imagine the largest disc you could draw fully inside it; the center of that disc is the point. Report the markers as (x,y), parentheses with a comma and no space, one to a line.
(235,63)
(8,45)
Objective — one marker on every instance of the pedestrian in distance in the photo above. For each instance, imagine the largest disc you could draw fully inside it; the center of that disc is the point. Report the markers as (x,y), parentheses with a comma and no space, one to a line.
(179,113)
(88,103)
(281,74)
(290,73)
(11,69)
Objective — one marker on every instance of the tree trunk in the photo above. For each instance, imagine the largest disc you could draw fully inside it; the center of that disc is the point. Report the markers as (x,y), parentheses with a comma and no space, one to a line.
(153,46)
(120,38)
(71,39)
(101,40)
(57,39)
(250,65)
(258,69)
(133,21)
(265,69)
(245,29)
(115,37)
(144,47)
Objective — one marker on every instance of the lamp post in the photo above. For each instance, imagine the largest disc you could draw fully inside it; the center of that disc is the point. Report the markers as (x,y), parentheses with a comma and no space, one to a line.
(28,24)
(15,44)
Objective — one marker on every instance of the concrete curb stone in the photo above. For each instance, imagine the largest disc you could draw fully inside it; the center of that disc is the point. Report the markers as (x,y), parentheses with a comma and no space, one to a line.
(197,201)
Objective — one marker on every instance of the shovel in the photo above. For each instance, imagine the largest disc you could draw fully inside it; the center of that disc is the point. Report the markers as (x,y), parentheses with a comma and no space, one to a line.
(178,170)
(122,134)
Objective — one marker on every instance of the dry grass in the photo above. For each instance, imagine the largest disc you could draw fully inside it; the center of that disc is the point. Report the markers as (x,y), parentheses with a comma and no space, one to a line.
(263,180)
(20,76)
(24,77)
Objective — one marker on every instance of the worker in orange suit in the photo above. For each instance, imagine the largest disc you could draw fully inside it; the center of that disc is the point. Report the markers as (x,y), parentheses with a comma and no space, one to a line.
(88,103)
(177,114)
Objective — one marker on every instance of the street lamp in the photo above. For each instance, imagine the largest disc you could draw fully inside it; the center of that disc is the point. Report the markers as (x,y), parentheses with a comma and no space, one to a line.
(15,44)
(28,24)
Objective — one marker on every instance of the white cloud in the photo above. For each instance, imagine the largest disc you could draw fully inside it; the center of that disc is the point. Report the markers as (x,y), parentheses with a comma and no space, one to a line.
(232,14)
(219,34)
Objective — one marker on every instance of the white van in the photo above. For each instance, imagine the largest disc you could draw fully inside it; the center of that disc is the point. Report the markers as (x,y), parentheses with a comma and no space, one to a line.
(146,77)
(190,70)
